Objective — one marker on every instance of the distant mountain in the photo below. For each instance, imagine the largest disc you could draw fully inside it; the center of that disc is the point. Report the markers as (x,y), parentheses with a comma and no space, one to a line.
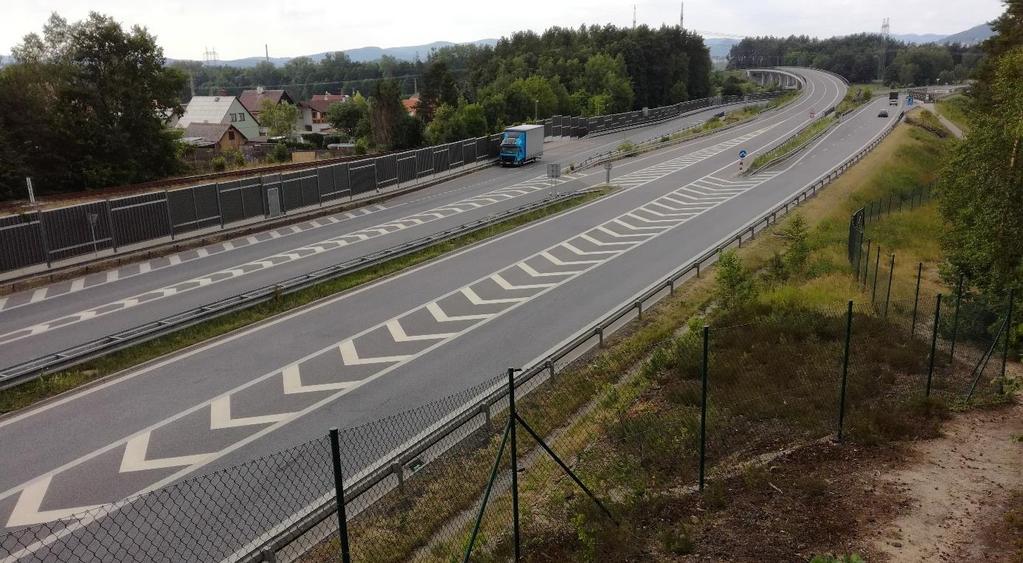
(360,55)
(971,36)
(918,38)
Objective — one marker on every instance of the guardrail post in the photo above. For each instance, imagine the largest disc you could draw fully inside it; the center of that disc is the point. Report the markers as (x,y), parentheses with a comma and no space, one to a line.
(934,343)
(339,488)
(697,269)
(170,218)
(845,369)
(671,287)
(916,297)
(600,337)
(639,306)
(703,405)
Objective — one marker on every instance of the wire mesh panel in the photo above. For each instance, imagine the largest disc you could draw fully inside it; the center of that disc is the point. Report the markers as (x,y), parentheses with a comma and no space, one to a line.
(139,218)
(424,162)
(363,178)
(406,164)
(468,152)
(193,208)
(482,148)
(21,241)
(340,182)
(440,160)
(81,229)
(387,171)
(299,189)
(241,199)
(454,155)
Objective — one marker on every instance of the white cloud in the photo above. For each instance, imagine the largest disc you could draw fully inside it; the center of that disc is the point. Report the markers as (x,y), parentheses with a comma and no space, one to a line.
(237,29)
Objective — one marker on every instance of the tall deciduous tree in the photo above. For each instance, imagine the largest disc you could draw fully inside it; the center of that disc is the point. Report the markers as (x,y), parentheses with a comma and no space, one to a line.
(278,118)
(98,99)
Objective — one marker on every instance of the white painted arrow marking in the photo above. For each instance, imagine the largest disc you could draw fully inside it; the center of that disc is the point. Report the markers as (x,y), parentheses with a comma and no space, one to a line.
(292,380)
(506,285)
(440,316)
(27,511)
(475,299)
(559,262)
(135,456)
(350,356)
(399,335)
(220,416)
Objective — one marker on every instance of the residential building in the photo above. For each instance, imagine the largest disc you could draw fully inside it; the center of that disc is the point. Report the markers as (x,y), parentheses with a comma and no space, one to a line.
(253,99)
(314,112)
(220,109)
(220,136)
(410,104)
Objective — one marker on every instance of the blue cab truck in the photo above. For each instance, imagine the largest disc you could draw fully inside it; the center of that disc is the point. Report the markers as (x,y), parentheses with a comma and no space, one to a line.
(521,144)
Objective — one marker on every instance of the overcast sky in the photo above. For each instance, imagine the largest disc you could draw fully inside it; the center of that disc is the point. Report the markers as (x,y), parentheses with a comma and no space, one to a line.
(240,29)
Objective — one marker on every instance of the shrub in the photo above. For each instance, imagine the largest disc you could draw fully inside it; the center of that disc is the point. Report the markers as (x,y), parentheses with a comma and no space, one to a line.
(218,163)
(280,153)
(734,282)
(361,147)
(626,147)
(234,158)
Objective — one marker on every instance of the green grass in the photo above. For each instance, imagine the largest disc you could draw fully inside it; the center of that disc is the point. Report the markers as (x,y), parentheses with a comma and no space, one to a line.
(50,385)
(793,143)
(957,110)
(854,98)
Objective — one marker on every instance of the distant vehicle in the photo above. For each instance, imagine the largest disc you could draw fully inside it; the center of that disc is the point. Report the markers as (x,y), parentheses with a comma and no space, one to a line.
(882,113)
(521,144)
(893,98)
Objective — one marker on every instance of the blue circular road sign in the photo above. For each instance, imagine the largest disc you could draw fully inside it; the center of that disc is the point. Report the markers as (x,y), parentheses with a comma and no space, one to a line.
(743,153)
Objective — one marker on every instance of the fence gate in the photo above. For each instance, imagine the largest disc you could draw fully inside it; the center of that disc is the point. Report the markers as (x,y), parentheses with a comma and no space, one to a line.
(273,201)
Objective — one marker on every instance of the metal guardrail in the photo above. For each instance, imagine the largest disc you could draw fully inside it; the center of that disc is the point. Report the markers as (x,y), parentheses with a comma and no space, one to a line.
(795,150)
(25,371)
(395,464)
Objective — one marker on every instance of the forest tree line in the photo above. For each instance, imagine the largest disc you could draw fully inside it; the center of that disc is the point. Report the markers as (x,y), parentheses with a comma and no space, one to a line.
(863,57)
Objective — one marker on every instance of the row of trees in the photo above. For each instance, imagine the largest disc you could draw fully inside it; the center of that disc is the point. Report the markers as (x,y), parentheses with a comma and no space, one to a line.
(862,57)
(84,105)
(981,186)
(469,90)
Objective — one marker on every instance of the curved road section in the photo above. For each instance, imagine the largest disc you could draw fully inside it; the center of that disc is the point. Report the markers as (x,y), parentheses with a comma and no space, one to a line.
(407,340)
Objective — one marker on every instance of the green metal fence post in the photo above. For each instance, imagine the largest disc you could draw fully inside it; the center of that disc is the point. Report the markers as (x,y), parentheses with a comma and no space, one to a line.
(888,294)
(866,265)
(486,496)
(877,266)
(703,405)
(1005,344)
(934,343)
(339,488)
(845,369)
(955,319)
(916,297)
(512,421)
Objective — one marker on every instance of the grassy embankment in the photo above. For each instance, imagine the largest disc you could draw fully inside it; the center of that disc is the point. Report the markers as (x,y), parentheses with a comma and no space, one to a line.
(53,384)
(957,110)
(795,142)
(627,417)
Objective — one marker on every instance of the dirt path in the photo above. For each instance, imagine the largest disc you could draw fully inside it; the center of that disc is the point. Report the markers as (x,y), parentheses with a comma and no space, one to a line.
(957,489)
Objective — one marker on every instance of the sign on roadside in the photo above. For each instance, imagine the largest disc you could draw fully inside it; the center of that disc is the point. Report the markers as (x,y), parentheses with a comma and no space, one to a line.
(743,153)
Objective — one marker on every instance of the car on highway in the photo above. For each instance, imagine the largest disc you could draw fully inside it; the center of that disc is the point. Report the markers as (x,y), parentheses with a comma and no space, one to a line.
(882,113)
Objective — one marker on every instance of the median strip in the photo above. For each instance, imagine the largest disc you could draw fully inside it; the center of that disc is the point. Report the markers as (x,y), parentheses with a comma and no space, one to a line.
(269,302)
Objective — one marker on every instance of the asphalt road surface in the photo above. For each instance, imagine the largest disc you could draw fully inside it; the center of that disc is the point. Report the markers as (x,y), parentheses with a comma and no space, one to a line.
(412,338)
(53,318)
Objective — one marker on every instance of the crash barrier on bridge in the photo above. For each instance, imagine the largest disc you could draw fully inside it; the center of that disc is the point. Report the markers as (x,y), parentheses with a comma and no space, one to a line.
(11,376)
(56,234)
(412,483)
(565,126)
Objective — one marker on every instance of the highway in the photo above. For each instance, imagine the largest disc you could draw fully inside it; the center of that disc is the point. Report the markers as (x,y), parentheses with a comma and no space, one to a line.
(53,318)
(406,340)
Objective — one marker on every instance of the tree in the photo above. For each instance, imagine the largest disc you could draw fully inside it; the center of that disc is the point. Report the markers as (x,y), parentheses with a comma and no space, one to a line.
(386,113)
(346,116)
(457,123)
(981,187)
(438,88)
(100,97)
(735,285)
(279,119)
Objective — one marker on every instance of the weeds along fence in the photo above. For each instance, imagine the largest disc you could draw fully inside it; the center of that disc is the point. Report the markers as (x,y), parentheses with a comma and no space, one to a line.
(964,328)
(413,484)
(117,224)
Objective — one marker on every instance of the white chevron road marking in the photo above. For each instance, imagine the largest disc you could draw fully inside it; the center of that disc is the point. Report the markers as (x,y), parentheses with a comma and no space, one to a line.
(350,357)
(399,335)
(505,285)
(532,272)
(27,511)
(475,299)
(220,416)
(559,262)
(292,379)
(136,448)
(440,316)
